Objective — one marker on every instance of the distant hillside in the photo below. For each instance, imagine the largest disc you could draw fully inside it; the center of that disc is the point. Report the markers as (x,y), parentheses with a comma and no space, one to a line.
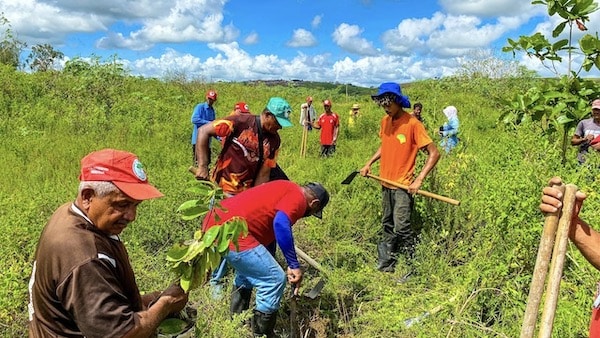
(342,88)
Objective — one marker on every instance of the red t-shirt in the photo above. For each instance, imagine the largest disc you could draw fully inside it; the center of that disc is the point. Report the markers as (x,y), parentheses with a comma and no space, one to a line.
(258,207)
(328,123)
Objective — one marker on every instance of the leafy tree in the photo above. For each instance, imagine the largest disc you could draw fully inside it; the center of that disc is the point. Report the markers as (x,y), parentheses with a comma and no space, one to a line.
(559,105)
(10,46)
(43,57)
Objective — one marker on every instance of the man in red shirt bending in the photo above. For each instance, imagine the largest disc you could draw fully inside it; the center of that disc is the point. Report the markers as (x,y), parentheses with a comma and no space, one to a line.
(329,123)
(270,210)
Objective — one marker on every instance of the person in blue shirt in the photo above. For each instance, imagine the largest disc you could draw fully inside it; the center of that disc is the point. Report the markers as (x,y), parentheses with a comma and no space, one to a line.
(449,131)
(203,113)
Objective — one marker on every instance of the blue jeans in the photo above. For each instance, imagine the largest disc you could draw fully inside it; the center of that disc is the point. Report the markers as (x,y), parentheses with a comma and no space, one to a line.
(257,268)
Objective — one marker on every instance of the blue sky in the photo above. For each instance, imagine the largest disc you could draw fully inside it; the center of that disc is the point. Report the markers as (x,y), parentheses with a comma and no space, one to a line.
(362,42)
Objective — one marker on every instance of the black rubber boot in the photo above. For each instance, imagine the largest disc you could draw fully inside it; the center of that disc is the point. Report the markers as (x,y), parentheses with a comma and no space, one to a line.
(387,257)
(263,324)
(240,300)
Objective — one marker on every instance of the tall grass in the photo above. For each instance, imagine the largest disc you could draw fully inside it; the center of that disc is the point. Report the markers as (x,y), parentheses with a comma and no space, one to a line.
(475,260)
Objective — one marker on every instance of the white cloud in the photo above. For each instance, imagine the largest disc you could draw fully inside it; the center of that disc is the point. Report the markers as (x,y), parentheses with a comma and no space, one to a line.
(487,7)
(302,38)
(348,38)
(38,22)
(251,39)
(411,34)
(316,21)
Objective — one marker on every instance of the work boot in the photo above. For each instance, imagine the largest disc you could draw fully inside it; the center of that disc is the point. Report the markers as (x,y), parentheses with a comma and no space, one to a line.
(387,257)
(240,300)
(263,324)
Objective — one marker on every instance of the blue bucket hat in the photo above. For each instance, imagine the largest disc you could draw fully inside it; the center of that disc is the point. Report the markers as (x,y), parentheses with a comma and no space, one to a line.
(393,88)
(281,109)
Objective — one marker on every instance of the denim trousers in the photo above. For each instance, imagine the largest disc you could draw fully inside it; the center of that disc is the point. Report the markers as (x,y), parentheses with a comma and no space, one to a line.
(397,231)
(257,268)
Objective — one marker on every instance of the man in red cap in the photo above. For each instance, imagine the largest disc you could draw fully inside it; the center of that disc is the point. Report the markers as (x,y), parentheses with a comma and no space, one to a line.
(82,283)
(203,113)
(240,108)
(329,123)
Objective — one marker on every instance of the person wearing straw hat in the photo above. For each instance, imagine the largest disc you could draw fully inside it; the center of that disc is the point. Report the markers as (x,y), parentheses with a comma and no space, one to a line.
(585,238)
(402,136)
(353,115)
(82,283)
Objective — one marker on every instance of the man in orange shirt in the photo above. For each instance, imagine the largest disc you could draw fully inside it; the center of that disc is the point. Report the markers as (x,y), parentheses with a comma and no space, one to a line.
(402,136)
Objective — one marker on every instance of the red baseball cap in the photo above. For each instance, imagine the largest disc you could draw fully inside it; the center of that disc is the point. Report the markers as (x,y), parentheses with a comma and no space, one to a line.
(309,99)
(327,103)
(242,106)
(121,168)
(211,94)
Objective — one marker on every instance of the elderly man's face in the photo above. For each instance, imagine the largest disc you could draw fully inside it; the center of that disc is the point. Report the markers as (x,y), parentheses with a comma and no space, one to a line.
(112,213)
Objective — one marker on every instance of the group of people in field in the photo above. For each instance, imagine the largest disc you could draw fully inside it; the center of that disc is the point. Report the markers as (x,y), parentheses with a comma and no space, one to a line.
(82,283)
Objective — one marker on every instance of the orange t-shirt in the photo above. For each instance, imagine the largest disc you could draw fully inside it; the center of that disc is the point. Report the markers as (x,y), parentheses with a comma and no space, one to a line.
(401,139)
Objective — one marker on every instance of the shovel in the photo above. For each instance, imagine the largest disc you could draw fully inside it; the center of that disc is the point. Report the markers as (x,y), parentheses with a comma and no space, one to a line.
(350,178)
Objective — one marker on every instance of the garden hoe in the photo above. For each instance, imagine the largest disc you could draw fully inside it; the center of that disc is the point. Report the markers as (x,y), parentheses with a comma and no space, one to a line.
(316,290)
(350,178)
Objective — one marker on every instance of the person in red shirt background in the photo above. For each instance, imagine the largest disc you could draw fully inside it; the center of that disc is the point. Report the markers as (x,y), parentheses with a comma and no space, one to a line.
(329,123)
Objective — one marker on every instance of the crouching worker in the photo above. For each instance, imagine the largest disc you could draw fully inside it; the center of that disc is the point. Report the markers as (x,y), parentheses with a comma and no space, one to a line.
(270,210)
(82,284)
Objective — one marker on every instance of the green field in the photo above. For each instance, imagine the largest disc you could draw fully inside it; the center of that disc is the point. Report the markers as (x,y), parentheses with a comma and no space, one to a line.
(475,260)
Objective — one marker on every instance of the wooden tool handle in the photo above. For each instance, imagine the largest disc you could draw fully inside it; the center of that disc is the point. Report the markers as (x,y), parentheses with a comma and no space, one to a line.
(420,192)
(558,261)
(308,259)
(540,270)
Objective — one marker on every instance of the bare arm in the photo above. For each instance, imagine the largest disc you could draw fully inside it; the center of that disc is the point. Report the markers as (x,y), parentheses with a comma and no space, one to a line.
(172,300)
(202,150)
(433,155)
(577,140)
(263,175)
(336,130)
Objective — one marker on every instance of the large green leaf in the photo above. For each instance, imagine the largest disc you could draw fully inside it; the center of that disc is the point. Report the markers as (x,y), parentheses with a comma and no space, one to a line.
(177,252)
(171,326)
(211,235)
(194,212)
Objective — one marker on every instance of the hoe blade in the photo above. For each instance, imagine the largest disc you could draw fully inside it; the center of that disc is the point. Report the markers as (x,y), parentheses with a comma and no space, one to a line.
(316,290)
(350,177)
